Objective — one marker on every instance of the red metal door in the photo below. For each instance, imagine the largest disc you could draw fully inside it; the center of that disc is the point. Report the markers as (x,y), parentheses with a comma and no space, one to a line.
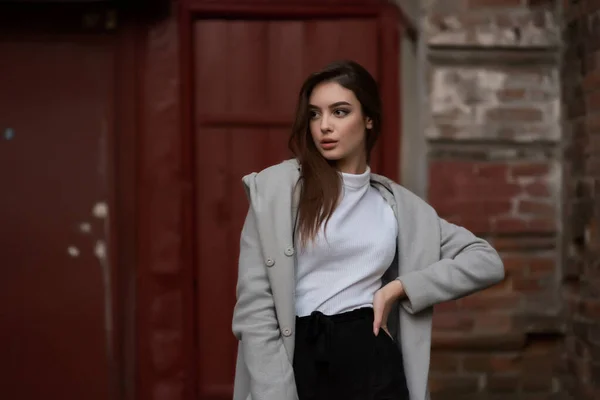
(56,104)
(247,76)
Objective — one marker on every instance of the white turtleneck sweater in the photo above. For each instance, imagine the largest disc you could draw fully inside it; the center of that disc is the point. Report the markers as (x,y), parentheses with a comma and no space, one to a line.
(341,270)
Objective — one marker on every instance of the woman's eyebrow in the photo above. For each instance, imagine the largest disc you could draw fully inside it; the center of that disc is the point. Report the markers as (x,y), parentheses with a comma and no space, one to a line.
(336,104)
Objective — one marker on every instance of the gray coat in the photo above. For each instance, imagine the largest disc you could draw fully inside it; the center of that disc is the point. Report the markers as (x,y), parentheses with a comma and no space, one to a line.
(436,261)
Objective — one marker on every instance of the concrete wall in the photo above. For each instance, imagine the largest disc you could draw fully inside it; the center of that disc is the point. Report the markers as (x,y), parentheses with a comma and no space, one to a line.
(581,268)
(491,133)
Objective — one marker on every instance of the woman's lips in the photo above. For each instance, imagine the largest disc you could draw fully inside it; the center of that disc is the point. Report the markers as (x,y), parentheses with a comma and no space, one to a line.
(328,145)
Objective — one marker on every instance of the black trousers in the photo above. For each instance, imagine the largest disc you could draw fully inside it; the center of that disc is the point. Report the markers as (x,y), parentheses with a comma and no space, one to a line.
(339,357)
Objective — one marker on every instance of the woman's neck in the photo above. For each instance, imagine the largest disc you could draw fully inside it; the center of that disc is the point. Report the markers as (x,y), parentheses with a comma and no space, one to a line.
(355,166)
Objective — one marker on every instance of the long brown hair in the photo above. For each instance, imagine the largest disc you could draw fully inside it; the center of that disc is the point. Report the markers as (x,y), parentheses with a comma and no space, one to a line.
(320,183)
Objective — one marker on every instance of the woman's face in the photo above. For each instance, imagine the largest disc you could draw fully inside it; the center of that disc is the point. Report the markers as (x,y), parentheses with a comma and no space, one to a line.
(337,126)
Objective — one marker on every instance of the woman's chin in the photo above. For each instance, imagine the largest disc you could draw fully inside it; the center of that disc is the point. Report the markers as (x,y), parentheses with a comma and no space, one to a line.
(331,155)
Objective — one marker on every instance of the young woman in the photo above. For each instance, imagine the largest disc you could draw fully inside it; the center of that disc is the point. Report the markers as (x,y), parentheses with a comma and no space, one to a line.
(339,268)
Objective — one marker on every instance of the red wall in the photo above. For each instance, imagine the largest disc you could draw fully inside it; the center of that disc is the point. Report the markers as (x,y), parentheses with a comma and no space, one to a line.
(100,190)
(58,289)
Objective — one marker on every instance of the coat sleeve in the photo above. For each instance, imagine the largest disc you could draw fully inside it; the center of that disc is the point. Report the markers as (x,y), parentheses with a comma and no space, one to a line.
(255,324)
(467,264)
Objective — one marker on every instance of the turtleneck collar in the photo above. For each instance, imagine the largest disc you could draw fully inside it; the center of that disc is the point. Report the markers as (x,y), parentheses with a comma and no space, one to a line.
(357,181)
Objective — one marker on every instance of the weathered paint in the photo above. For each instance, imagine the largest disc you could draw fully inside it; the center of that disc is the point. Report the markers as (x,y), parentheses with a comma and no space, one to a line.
(100,210)
(73,251)
(56,103)
(85,227)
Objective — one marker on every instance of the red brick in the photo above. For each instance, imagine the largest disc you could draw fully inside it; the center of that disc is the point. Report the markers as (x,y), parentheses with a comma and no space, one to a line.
(529,264)
(444,362)
(443,176)
(494,3)
(506,225)
(593,334)
(483,187)
(528,238)
(507,133)
(523,243)
(482,301)
(520,114)
(542,225)
(497,363)
(590,309)
(536,382)
(539,323)
(491,171)
(592,123)
(487,190)
(593,100)
(593,149)
(543,346)
(535,207)
(473,207)
(572,305)
(516,264)
(493,322)
(510,225)
(447,306)
(594,350)
(593,164)
(539,267)
(452,322)
(503,384)
(443,168)
(447,130)
(477,341)
(477,363)
(537,189)
(500,288)
(526,285)
(506,363)
(530,170)
(542,353)
(477,226)
(457,385)
(532,74)
(540,95)
(592,80)
(507,95)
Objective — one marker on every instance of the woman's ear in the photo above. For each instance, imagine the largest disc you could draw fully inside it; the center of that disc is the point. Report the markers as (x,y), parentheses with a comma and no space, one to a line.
(369,123)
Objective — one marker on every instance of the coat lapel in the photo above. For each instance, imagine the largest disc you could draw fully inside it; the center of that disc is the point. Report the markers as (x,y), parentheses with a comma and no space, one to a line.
(278,230)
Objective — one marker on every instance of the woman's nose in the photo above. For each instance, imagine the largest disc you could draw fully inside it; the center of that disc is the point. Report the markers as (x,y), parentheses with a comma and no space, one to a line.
(325,125)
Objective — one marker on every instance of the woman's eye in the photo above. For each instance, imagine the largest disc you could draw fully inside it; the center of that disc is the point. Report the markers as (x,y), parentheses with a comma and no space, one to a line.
(312,114)
(341,112)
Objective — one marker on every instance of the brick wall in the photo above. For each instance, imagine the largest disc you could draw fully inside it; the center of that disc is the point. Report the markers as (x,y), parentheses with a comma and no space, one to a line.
(581,275)
(494,164)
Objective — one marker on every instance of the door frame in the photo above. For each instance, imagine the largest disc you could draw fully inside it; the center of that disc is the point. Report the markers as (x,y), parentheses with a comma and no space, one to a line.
(91,23)
(390,23)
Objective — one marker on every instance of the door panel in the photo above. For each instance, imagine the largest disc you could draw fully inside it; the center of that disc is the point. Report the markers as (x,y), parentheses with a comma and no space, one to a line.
(54,168)
(354,39)
(247,76)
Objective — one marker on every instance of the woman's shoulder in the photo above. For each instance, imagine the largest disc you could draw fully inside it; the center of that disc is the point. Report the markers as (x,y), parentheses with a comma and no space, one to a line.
(284,169)
(274,177)
(404,197)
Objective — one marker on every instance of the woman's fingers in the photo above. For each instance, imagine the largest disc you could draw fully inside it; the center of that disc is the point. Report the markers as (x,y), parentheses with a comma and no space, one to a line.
(377,312)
